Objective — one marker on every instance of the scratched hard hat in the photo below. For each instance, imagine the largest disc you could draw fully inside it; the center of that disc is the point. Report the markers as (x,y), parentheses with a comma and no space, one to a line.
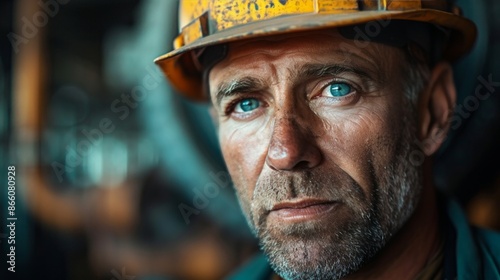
(206,23)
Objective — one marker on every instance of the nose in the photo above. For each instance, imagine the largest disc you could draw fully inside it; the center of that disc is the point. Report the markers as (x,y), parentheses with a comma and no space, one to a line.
(292,147)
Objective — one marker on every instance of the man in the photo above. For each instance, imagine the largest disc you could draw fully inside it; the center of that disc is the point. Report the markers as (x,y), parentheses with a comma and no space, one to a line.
(328,113)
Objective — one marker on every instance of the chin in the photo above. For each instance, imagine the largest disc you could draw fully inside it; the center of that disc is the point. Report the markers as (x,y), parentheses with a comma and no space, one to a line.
(330,248)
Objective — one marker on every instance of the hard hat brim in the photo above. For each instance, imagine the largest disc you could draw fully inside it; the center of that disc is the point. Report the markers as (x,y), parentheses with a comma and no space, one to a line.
(180,69)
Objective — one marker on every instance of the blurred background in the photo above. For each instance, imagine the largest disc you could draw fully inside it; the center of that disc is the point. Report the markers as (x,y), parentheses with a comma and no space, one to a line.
(119,178)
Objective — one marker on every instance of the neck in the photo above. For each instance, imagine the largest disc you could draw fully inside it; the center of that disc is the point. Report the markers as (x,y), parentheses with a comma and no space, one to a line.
(413,246)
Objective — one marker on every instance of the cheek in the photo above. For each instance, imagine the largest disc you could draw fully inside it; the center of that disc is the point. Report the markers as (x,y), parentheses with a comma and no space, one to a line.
(360,141)
(244,149)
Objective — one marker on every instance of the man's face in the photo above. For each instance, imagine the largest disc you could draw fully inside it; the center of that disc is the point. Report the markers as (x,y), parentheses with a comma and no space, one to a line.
(316,134)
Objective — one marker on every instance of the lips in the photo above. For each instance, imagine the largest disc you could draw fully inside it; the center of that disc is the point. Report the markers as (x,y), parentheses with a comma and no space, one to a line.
(301,210)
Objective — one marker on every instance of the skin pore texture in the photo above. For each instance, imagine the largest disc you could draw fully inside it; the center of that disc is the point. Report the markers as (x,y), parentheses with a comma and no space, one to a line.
(318,141)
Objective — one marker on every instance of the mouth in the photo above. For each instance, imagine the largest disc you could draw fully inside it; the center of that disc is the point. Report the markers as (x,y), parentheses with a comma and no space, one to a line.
(301,210)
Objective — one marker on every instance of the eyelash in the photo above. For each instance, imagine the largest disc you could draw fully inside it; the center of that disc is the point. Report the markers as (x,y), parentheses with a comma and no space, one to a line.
(354,90)
(229,109)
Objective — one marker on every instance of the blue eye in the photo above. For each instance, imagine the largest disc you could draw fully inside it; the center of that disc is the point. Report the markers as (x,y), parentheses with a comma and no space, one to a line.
(247,105)
(339,89)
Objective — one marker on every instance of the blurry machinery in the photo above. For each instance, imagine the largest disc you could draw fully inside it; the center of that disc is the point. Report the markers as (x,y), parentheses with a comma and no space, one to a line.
(102,184)
(99,189)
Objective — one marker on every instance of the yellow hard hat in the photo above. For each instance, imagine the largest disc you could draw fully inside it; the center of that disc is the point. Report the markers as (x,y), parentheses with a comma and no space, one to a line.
(206,23)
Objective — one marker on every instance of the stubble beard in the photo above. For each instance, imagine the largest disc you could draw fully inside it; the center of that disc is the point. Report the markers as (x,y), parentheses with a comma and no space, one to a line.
(334,249)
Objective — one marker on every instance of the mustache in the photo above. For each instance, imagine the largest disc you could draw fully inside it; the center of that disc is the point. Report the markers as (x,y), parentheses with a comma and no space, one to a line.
(280,186)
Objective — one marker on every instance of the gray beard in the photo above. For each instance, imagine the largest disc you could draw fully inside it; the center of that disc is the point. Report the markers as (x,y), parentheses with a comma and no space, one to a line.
(332,251)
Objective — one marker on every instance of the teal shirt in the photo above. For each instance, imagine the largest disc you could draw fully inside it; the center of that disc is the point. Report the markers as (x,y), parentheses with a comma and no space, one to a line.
(477,250)
(470,253)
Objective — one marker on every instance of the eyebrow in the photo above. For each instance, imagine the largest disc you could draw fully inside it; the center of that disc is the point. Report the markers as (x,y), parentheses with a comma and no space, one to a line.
(309,71)
(236,86)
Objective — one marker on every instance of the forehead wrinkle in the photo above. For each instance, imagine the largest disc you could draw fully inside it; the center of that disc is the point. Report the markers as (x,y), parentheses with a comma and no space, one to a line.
(383,60)
(368,59)
(368,63)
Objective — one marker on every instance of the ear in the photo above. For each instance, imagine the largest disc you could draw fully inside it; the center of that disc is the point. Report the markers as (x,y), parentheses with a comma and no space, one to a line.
(435,108)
